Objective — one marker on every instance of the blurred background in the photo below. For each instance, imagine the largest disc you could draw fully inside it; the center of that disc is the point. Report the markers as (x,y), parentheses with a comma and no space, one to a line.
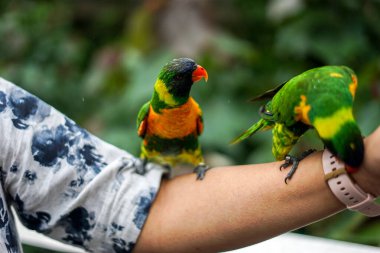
(97,61)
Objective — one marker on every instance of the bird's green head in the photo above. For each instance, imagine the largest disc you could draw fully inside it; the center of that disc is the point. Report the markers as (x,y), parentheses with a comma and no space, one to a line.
(176,79)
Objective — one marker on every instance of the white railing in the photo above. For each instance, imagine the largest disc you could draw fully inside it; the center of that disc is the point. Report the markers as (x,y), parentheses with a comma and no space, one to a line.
(296,243)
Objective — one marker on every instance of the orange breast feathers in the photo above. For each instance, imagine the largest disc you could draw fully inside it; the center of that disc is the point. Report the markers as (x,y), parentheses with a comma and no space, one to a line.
(176,122)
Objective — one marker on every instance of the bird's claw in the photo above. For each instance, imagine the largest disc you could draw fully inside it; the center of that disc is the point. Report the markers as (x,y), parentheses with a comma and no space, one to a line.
(287,178)
(294,161)
(200,170)
(290,160)
(140,166)
(287,162)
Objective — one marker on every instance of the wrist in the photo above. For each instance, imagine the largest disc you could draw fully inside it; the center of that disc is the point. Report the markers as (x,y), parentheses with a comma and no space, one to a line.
(368,177)
(346,189)
(366,181)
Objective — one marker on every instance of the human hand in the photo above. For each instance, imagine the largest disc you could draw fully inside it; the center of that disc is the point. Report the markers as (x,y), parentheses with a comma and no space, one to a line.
(368,177)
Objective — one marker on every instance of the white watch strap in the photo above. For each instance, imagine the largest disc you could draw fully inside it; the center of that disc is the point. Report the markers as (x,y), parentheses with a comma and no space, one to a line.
(345,189)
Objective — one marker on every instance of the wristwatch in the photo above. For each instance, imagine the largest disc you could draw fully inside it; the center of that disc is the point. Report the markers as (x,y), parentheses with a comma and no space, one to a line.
(347,191)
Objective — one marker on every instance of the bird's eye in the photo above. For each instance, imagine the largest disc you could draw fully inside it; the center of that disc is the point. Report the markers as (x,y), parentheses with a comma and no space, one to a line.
(178,77)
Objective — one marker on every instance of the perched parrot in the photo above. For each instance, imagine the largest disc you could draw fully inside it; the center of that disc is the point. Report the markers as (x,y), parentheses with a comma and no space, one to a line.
(171,121)
(320,98)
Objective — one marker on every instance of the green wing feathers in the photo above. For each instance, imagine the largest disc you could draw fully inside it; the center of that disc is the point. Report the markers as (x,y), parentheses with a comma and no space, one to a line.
(141,119)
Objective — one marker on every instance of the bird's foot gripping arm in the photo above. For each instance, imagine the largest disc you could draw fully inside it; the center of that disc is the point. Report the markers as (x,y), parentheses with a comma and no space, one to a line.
(140,166)
(294,161)
(201,170)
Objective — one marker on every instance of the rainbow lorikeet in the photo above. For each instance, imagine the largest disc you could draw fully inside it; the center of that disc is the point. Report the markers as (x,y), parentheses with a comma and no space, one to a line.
(320,98)
(171,121)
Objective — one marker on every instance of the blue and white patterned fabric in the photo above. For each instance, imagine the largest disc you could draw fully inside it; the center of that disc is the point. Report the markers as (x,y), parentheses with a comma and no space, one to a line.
(66,183)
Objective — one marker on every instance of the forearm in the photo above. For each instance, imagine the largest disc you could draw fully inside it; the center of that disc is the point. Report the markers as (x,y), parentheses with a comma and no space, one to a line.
(236,206)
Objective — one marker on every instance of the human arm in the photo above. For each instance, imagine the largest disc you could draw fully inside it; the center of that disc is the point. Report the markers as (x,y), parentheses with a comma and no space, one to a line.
(237,206)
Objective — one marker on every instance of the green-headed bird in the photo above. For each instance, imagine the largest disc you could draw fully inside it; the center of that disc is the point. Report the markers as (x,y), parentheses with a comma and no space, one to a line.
(171,121)
(320,98)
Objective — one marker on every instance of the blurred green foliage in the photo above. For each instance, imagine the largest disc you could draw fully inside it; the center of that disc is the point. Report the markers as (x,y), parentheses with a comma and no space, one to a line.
(97,63)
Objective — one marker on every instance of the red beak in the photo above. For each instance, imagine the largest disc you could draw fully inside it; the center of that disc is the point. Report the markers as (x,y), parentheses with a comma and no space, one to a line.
(198,73)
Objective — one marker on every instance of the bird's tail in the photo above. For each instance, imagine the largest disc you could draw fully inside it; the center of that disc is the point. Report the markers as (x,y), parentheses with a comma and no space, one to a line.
(261,125)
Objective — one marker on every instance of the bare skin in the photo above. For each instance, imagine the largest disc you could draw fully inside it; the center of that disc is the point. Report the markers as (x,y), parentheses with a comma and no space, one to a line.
(238,206)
